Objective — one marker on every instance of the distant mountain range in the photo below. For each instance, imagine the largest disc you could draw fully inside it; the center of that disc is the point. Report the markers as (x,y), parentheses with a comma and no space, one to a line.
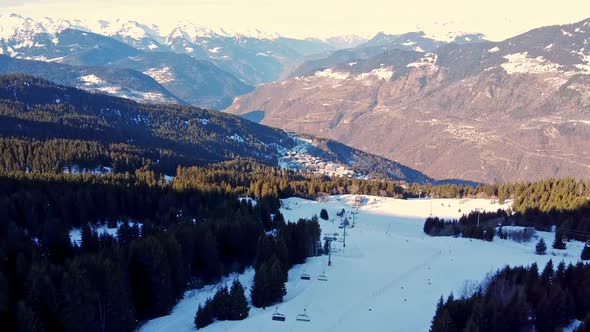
(483,111)
(199,65)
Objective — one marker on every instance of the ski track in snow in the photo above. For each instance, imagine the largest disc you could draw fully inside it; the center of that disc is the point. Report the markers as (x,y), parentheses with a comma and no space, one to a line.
(388,278)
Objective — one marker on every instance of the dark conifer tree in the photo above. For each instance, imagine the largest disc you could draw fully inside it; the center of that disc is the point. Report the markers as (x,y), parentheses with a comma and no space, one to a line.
(558,241)
(238,304)
(324,214)
(541,247)
(89,239)
(27,319)
(221,303)
(442,321)
(586,253)
(259,293)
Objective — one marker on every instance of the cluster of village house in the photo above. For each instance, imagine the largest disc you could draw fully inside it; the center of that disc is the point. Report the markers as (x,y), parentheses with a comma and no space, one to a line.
(316,165)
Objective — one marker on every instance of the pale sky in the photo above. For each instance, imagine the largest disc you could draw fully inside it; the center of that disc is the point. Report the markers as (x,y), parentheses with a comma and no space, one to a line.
(497,19)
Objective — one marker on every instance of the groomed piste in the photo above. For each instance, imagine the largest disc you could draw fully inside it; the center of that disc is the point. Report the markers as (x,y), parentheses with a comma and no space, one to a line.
(389,276)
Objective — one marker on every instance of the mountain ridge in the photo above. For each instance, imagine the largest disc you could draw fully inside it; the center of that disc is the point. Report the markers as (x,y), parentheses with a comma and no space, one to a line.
(514,110)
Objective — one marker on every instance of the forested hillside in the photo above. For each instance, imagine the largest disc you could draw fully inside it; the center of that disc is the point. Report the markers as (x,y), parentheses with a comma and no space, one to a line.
(50,128)
(167,239)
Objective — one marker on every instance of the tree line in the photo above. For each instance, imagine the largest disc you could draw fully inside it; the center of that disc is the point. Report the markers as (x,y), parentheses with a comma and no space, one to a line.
(521,299)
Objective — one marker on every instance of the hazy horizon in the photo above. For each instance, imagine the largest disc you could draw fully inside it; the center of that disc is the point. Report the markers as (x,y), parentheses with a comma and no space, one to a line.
(307,18)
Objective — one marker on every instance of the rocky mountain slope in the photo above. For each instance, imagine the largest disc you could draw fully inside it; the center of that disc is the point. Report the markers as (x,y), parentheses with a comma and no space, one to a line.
(489,111)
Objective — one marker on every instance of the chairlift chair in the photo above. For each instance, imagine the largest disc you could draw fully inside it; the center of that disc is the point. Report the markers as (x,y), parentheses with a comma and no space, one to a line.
(305,276)
(323,277)
(303,317)
(278,316)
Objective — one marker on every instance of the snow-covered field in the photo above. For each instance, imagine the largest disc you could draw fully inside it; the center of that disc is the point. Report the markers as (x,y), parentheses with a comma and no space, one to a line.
(388,278)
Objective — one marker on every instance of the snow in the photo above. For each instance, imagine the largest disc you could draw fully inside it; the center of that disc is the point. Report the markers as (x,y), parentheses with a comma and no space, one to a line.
(380,73)
(215,50)
(389,277)
(248,199)
(91,79)
(161,75)
(203,121)
(76,233)
(329,73)
(236,138)
(195,32)
(494,49)
(428,61)
(520,63)
(574,325)
(585,65)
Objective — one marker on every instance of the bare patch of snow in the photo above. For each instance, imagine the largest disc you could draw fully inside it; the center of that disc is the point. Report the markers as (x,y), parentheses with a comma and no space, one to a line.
(329,73)
(91,79)
(428,61)
(236,138)
(384,73)
(161,75)
(494,49)
(520,63)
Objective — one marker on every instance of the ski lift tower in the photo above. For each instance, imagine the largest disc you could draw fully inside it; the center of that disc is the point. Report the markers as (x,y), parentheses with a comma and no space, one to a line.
(330,252)
(344,239)
(479,210)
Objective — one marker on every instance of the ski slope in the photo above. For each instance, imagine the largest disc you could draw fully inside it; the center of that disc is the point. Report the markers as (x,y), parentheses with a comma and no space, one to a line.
(389,276)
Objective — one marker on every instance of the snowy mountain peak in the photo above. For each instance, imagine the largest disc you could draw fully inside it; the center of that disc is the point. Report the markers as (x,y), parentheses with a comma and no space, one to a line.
(14,26)
(192,32)
(128,29)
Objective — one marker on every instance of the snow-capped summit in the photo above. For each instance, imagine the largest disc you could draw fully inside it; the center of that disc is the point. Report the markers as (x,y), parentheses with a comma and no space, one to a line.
(192,32)
(345,41)
(127,29)
(16,26)
(449,32)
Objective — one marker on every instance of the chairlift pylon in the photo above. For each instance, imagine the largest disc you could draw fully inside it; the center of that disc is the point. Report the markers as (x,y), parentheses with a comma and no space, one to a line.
(304,317)
(278,316)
